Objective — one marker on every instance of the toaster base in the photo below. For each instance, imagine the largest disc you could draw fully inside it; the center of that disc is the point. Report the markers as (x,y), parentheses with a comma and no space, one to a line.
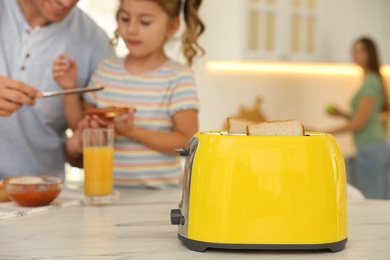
(203,246)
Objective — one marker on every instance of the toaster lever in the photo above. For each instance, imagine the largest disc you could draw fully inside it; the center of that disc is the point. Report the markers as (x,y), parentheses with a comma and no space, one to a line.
(183,151)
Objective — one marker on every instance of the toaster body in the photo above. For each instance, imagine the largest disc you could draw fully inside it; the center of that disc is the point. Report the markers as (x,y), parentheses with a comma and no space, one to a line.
(263,192)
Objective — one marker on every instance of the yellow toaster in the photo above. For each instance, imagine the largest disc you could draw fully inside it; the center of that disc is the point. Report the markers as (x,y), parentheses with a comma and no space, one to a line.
(262,192)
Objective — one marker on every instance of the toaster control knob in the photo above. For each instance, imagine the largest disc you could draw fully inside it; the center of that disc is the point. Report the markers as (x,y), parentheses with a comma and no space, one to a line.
(176,217)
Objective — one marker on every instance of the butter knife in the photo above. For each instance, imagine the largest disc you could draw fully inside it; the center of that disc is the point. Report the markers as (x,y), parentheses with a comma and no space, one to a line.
(69,91)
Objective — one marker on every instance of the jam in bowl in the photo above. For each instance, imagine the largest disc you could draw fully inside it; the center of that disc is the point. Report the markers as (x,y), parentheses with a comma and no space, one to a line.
(33,191)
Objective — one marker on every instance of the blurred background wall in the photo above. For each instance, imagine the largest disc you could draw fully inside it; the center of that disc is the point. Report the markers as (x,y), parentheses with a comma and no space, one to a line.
(298,32)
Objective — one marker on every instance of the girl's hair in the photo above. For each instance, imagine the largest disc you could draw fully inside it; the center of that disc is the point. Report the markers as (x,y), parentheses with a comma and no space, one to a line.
(194,25)
(373,63)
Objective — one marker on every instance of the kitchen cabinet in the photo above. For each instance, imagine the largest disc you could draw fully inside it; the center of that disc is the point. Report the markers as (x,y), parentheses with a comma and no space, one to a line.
(278,30)
(282,29)
(267,29)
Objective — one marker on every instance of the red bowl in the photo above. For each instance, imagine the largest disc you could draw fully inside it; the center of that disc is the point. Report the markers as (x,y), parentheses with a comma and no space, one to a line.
(33,191)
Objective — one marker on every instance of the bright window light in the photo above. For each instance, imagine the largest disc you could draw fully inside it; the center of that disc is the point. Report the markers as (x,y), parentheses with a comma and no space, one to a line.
(294,68)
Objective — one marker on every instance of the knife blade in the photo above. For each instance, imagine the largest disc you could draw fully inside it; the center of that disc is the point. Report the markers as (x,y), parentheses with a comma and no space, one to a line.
(69,91)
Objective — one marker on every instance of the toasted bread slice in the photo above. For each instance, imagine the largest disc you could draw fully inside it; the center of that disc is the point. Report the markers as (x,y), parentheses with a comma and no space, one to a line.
(107,112)
(237,125)
(276,128)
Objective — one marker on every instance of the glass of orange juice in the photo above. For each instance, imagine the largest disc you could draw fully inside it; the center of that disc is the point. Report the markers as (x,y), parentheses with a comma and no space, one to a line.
(98,156)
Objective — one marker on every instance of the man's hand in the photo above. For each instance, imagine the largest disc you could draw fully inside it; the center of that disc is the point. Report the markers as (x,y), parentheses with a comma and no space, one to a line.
(14,94)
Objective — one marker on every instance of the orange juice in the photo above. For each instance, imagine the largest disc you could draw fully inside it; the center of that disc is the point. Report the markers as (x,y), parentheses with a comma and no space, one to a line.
(98,167)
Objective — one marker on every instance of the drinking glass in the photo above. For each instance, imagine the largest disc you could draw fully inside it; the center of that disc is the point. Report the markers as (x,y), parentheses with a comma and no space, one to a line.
(98,156)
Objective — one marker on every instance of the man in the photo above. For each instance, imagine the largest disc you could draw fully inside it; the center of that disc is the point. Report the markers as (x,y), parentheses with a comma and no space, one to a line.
(33,33)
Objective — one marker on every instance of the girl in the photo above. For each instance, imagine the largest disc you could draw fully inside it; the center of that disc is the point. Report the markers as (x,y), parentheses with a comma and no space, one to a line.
(372,163)
(161,90)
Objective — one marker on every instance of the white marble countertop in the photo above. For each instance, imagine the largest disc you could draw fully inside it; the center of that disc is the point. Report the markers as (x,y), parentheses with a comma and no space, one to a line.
(138,227)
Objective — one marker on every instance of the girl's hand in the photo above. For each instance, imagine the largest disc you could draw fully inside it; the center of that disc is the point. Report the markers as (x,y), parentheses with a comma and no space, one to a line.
(97,122)
(125,125)
(65,72)
(75,143)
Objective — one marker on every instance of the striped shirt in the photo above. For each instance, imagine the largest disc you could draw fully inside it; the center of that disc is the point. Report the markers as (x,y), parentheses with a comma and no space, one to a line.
(157,95)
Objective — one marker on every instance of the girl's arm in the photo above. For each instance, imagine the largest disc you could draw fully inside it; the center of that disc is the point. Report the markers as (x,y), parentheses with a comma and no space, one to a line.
(356,124)
(185,126)
(74,106)
(65,74)
(73,110)
(74,146)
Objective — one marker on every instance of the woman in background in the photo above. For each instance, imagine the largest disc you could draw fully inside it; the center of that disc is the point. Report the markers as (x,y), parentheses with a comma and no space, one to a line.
(369,133)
